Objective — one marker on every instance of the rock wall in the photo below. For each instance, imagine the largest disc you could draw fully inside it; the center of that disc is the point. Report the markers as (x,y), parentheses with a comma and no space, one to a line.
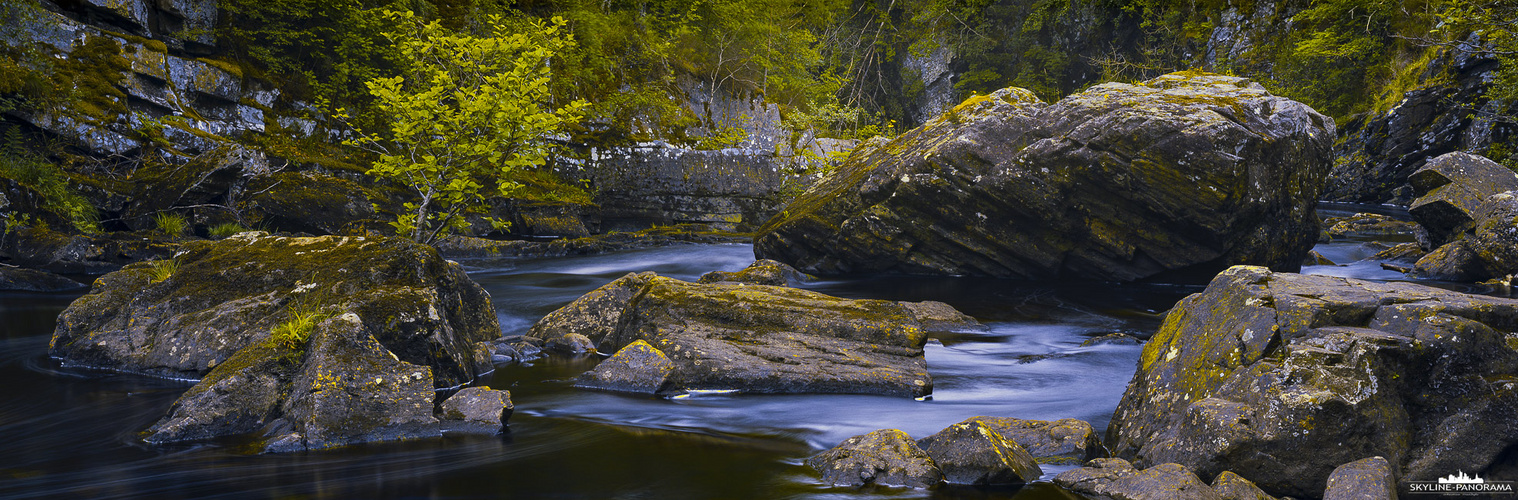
(1449,111)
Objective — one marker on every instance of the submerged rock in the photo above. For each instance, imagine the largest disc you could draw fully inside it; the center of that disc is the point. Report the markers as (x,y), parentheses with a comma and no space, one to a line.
(884,457)
(313,342)
(755,338)
(1288,376)
(1117,479)
(972,452)
(1185,173)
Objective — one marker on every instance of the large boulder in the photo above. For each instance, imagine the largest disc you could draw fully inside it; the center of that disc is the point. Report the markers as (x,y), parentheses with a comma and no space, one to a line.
(1185,173)
(309,342)
(1288,376)
(181,317)
(1117,479)
(754,338)
(884,457)
(761,272)
(1485,248)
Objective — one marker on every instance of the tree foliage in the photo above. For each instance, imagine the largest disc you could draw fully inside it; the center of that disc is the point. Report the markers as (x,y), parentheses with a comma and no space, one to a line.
(466,110)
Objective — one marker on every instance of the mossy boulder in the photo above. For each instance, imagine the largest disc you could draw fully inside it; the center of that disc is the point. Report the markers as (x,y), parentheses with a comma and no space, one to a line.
(1363,224)
(1487,249)
(1186,173)
(974,453)
(1049,441)
(1117,479)
(1288,376)
(885,457)
(476,410)
(55,251)
(756,338)
(638,368)
(761,272)
(1232,486)
(182,317)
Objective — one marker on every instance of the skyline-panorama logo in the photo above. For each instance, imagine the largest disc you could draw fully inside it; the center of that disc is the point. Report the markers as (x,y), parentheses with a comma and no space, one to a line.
(1460,483)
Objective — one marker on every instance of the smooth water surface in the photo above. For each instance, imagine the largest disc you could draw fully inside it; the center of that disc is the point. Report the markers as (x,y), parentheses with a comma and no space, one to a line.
(70,434)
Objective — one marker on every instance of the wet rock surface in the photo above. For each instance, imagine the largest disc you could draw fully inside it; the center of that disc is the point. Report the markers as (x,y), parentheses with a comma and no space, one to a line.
(1287,376)
(1184,173)
(883,457)
(760,339)
(638,368)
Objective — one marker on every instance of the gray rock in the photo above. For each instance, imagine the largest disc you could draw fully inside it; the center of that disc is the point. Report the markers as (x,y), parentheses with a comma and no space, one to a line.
(759,339)
(1452,192)
(1288,376)
(1366,479)
(884,457)
(1185,173)
(971,452)
(1049,441)
(638,368)
(476,410)
(1116,479)
(1231,486)
(32,280)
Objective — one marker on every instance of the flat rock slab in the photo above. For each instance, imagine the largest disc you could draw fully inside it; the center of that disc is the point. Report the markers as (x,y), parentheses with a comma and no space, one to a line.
(755,338)
(1184,174)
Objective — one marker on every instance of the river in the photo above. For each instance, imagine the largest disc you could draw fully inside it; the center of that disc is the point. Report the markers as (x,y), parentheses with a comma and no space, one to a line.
(73,434)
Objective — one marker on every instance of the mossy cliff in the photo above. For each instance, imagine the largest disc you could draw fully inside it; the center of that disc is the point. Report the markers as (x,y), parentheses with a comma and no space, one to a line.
(1186,173)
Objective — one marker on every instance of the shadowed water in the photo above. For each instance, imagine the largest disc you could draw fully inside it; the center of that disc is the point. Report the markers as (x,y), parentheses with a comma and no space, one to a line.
(70,434)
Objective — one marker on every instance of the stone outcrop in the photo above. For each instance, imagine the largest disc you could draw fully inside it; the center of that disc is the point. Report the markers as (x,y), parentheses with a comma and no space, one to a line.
(1469,208)
(1186,173)
(1450,110)
(638,368)
(309,342)
(1117,479)
(755,338)
(884,457)
(1232,486)
(1288,376)
(476,410)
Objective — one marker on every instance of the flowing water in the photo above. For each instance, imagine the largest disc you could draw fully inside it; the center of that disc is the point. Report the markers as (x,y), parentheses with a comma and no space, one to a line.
(72,434)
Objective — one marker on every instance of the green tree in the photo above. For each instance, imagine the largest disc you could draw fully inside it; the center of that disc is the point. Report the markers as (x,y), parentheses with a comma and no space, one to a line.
(467,110)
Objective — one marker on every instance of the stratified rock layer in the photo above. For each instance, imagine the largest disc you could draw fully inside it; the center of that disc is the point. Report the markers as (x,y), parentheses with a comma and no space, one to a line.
(1186,173)
(1284,377)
